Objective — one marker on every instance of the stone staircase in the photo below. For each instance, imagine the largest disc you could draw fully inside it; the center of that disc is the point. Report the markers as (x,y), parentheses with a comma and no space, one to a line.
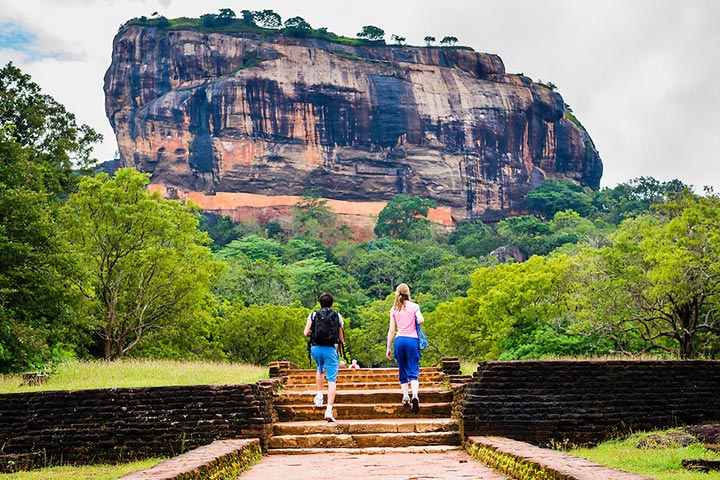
(370,418)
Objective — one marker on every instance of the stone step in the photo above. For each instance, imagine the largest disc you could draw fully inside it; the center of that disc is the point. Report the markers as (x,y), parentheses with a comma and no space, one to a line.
(366,379)
(362,396)
(292,413)
(365,440)
(393,425)
(307,387)
(366,451)
(367,372)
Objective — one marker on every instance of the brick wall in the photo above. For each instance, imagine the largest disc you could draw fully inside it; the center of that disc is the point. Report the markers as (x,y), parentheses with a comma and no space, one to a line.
(89,426)
(587,401)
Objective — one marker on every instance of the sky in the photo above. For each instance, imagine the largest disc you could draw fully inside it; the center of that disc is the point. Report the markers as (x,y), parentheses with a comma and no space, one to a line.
(641,75)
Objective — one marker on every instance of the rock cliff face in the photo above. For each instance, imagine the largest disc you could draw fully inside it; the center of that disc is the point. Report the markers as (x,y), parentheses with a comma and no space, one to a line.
(245,124)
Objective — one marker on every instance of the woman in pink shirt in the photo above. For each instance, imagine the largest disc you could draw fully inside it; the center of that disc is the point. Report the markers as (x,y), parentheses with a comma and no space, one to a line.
(403,316)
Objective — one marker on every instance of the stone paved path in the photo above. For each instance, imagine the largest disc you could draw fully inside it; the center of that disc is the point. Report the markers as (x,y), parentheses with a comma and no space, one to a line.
(392,466)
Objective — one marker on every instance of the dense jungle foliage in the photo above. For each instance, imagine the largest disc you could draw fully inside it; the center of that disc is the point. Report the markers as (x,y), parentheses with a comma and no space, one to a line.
(96,266)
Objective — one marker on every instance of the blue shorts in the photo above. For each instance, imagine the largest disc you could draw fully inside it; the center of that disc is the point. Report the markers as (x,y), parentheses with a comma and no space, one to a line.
(327,359)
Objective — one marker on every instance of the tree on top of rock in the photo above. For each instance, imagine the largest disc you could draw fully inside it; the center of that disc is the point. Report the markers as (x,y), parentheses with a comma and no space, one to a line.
(371,32)
(448,41)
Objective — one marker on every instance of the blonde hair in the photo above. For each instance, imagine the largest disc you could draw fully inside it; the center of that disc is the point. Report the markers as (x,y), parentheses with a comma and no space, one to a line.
(402,293)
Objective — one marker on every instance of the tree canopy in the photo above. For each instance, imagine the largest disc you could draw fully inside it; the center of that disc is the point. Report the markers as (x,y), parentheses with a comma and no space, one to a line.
(371,32)
(144,262)
(404,216)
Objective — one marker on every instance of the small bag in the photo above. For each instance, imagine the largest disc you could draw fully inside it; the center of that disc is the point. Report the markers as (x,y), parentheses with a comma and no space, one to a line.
(422,339)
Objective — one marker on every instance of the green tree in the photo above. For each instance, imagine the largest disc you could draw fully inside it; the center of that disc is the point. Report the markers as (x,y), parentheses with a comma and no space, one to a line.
(313,276)
(248,17)
(380,268)
(405,217)
(225,16)
(553,196)
(657,286)
(635,197)
(263,281)
(221,229)
(371,32)
(474,239)
(41,145)
(36,308)
(56,145)
(145,262)
(314,218)
(448,41)
(398,40)
(268,18)
(429,41)
(297,26)
(252,246)
(208,20)
(526,232)
(501,299)
(259,334)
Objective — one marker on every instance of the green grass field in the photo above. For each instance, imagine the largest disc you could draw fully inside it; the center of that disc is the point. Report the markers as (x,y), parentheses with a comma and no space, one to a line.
(119,374)
(137,373)
(94,472)
(661,461)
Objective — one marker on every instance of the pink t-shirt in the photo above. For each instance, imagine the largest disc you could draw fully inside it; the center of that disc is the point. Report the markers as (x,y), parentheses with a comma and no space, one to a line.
(405,319)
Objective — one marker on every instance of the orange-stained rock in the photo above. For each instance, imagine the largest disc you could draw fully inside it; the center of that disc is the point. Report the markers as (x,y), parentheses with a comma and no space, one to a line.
(360,216)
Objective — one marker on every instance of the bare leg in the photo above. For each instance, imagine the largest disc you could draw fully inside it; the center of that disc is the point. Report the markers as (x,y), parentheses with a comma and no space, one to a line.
(319,381)
(332,386)
(331,400)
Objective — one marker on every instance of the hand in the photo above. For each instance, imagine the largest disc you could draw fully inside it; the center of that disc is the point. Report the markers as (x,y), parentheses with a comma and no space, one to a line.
(388,354)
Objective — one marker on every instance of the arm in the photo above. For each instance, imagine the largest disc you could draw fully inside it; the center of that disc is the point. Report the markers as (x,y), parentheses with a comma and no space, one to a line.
(419,316)
(308,326)
(341,333)
(390,337)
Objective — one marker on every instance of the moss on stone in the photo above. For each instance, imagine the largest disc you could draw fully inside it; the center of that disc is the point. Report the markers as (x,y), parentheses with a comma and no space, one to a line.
(511,465)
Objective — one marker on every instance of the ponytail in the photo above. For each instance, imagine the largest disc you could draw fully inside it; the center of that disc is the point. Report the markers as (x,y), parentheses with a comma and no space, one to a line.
(402,293)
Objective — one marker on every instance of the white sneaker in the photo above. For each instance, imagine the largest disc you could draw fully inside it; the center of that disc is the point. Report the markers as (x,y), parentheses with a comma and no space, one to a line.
(329,414)
(318,400)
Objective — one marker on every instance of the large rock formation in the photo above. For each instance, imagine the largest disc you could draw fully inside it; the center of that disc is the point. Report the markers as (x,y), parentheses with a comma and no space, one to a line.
(244,124)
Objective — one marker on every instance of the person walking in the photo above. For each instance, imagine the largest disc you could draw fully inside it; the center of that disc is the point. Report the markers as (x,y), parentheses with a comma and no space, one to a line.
(403,317)
(325,329)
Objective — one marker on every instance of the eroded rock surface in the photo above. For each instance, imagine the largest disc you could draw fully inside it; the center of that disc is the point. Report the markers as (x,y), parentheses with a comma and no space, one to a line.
(262,119)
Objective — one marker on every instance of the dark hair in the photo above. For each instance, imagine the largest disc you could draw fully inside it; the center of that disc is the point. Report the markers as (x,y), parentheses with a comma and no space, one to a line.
(326,300)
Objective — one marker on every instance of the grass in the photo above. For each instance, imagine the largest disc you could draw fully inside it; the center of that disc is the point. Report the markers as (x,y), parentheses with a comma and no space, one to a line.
(82,375)
(664,462)
(96,472)
(468,367)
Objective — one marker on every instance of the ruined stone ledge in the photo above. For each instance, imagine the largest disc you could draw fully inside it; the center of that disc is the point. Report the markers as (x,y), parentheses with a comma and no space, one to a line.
(220,459)
(527,462)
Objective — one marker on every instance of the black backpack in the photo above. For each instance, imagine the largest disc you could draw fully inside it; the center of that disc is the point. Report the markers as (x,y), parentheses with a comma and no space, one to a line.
(325,327)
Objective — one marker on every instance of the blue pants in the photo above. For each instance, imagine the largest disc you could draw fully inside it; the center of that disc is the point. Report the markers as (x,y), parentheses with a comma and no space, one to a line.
(407,354)
(326,358)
